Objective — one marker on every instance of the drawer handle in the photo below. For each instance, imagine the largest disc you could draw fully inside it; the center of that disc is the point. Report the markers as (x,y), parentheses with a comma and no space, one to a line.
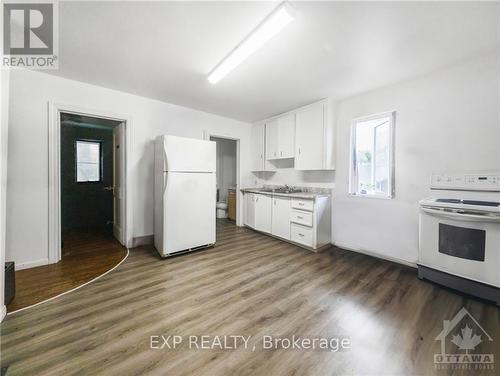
(301,234)
(301,204)
(300,217)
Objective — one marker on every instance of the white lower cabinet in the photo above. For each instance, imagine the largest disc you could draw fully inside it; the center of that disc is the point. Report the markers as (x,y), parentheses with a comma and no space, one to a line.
(249,210)
(263,213)
(304,221)
(302,234)
(281,217)
(301,217)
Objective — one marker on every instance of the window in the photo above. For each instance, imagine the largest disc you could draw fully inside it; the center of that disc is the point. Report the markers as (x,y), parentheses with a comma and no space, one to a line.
(372,156)
(88,161)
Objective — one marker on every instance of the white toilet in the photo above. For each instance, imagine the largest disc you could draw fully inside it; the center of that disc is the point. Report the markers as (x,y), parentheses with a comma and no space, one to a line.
(221,210)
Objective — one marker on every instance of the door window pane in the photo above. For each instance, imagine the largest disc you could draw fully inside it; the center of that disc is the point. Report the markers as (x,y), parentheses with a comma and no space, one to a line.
(88,161)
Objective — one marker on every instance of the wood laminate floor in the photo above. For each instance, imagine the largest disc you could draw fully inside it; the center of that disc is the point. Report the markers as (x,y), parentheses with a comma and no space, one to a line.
(85,256)
(251,285)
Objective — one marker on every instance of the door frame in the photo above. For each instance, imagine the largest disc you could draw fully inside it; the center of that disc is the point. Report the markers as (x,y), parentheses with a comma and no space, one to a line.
(54,112)
(239,196)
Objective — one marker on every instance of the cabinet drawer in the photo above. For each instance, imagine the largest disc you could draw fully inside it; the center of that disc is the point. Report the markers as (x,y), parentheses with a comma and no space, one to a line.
(302,217)
(301,234)
(303,204)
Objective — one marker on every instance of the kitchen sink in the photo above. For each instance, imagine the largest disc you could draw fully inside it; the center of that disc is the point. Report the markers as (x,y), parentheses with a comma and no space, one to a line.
(287,191)
(284,190)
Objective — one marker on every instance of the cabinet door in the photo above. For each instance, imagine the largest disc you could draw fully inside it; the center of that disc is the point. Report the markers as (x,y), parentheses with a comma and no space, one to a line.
(263,213)
(310,142)
(272,140)
(258,147)
(286,136)
(281,217)
(250,210)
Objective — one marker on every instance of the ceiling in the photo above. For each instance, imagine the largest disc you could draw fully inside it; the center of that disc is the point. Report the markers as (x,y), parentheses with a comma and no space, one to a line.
(338,49)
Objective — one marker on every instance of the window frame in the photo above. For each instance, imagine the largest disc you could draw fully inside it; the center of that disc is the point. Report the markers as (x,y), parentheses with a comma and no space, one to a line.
(353,173)
(87,140)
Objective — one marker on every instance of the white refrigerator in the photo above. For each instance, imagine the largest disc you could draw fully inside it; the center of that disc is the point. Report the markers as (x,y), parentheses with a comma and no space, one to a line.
(185,194)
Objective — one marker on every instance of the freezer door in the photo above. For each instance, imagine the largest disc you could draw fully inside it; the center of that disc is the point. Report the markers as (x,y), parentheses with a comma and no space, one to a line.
(189,211)
(189,154)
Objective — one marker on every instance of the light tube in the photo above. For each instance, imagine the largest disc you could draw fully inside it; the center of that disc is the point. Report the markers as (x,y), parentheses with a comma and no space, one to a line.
(267,29)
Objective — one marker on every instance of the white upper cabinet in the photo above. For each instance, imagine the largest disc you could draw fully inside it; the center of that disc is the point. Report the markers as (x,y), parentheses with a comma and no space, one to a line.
(258,147)
(305,134)
(286,136)
(272,141)
(314,138)
(259,161)
(280,137)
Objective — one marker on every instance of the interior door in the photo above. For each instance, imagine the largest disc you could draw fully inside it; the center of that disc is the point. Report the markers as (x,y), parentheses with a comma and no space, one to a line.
(281,217)
(310,138)
(118,179)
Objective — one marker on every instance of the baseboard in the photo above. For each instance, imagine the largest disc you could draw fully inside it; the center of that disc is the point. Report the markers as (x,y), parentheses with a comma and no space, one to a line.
(31,264)
(3,312)
(375,254)
(142,240)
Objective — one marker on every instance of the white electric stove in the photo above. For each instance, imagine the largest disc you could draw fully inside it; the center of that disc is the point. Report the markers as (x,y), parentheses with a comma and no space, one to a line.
(459,233)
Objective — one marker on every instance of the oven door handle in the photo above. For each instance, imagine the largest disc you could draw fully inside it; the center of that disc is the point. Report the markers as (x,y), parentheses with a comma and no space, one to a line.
(461,216)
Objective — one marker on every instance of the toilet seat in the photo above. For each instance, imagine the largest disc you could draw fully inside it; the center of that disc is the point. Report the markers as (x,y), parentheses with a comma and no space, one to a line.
(221,205)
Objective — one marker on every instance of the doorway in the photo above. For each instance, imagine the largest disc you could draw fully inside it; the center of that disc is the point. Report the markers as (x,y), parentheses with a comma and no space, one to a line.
(226,172)
(90,164)
(87,208)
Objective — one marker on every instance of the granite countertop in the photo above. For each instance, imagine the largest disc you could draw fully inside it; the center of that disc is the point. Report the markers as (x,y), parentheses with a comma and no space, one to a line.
(305,195)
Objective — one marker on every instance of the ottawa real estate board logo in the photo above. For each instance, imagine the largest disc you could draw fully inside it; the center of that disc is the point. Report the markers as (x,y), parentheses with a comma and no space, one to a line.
(30,35)
(465,344)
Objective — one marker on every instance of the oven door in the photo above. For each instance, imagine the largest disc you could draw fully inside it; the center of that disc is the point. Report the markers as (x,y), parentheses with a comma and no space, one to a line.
(462,244)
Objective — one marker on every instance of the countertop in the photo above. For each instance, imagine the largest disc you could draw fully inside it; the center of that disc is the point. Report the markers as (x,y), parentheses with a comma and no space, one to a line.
(303,195)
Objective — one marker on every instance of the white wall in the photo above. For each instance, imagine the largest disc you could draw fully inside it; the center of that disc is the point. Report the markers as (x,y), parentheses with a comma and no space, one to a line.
(27,188)
(445,121)
(4,117)
(226,166)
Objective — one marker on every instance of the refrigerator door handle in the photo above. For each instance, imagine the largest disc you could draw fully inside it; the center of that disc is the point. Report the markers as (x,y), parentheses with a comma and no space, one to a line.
(164,159)
(164,184)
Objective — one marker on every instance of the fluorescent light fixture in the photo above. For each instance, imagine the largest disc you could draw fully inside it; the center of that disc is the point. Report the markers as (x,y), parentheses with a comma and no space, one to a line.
(267,29)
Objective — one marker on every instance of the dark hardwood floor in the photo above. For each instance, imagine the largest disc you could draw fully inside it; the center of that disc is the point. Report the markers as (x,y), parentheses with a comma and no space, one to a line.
(251,285)
(85,256)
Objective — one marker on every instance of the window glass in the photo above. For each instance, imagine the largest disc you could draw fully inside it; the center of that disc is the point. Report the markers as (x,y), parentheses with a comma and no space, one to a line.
(371,158)
(88,161)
